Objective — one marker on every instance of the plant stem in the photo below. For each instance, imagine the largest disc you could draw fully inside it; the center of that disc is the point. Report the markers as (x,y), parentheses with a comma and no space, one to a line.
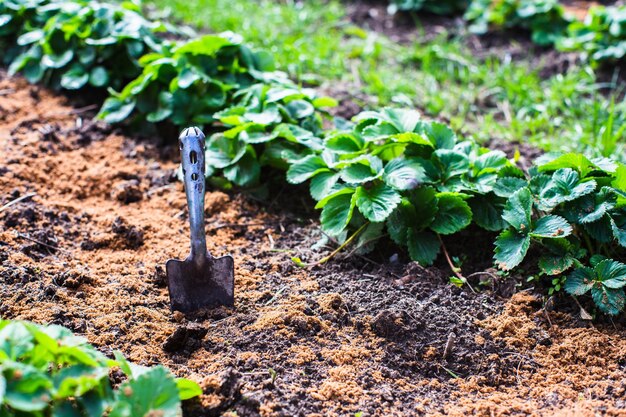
(336,251)
(455,270)
(589,245)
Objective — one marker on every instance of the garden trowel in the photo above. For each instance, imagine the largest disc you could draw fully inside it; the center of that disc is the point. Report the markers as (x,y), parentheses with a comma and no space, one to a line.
(200,281)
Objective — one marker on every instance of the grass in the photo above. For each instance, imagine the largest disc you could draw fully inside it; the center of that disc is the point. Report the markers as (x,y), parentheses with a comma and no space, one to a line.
(489,98)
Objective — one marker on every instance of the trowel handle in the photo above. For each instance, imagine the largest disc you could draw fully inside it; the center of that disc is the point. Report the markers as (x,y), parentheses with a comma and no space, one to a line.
(191,143)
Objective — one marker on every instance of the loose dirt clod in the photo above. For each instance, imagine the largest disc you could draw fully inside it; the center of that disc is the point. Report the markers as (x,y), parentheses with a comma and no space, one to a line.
(185,339)
(127,192)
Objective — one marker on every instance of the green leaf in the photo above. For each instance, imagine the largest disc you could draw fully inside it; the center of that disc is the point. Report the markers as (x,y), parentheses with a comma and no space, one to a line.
(222,152)
(322,183)
(606,282)
(518,210)
(451,163)
(611,273)
(115,110)
(487,213)
(555,264)
(207,45)
(439,134)
(337,213)
(609,300)
(57,61)
(123,364)
(344,143)
(511,248)
(339,189)
(33,72)
(325,102)
(600,230)
(404,120)
(593,207)
(559,255)
(453,214)
(98,77)
(77,380)
(362,170)
(580,281)
(490,161)
(575,161)
(187,77)
(425,201)
(266,117)
(596,259)
(66,408)
(377,202)
(507,186)
(299,109)
(305,169)
(404,174)
(3,388)
(551,227)
(30,37)
(378,131)
(187,389)
(400,220)
(618,226)
(564,186)
(411,137)
(423,246)
(619,183)
(245,172)
(15,340)
(75,78)
(27,388)
(164,109)
(152,393)
(5,19)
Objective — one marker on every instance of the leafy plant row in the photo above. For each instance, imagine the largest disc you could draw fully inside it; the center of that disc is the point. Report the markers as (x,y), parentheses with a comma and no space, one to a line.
(600,36)
(70,44)
(208,79)
(48,371)
(393,174)
(546,20)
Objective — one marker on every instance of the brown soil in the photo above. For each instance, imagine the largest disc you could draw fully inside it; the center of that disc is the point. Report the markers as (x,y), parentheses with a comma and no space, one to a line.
(101,213)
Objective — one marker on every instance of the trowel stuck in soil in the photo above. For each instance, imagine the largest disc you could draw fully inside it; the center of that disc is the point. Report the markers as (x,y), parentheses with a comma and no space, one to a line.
(201,280)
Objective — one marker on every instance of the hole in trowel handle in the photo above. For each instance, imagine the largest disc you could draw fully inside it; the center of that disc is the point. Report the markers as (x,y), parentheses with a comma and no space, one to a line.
(194,176)
(193,157)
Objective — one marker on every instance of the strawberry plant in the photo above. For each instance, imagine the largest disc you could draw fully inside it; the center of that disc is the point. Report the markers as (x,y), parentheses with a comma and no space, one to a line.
(602,35)
(268,125)
(605,280)
(439,7)
(545,19)
(397,172)
(573,209)
(46,370)
(69,44)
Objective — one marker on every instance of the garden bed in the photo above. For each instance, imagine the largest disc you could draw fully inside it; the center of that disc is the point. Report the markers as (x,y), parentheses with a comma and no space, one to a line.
(101,212)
